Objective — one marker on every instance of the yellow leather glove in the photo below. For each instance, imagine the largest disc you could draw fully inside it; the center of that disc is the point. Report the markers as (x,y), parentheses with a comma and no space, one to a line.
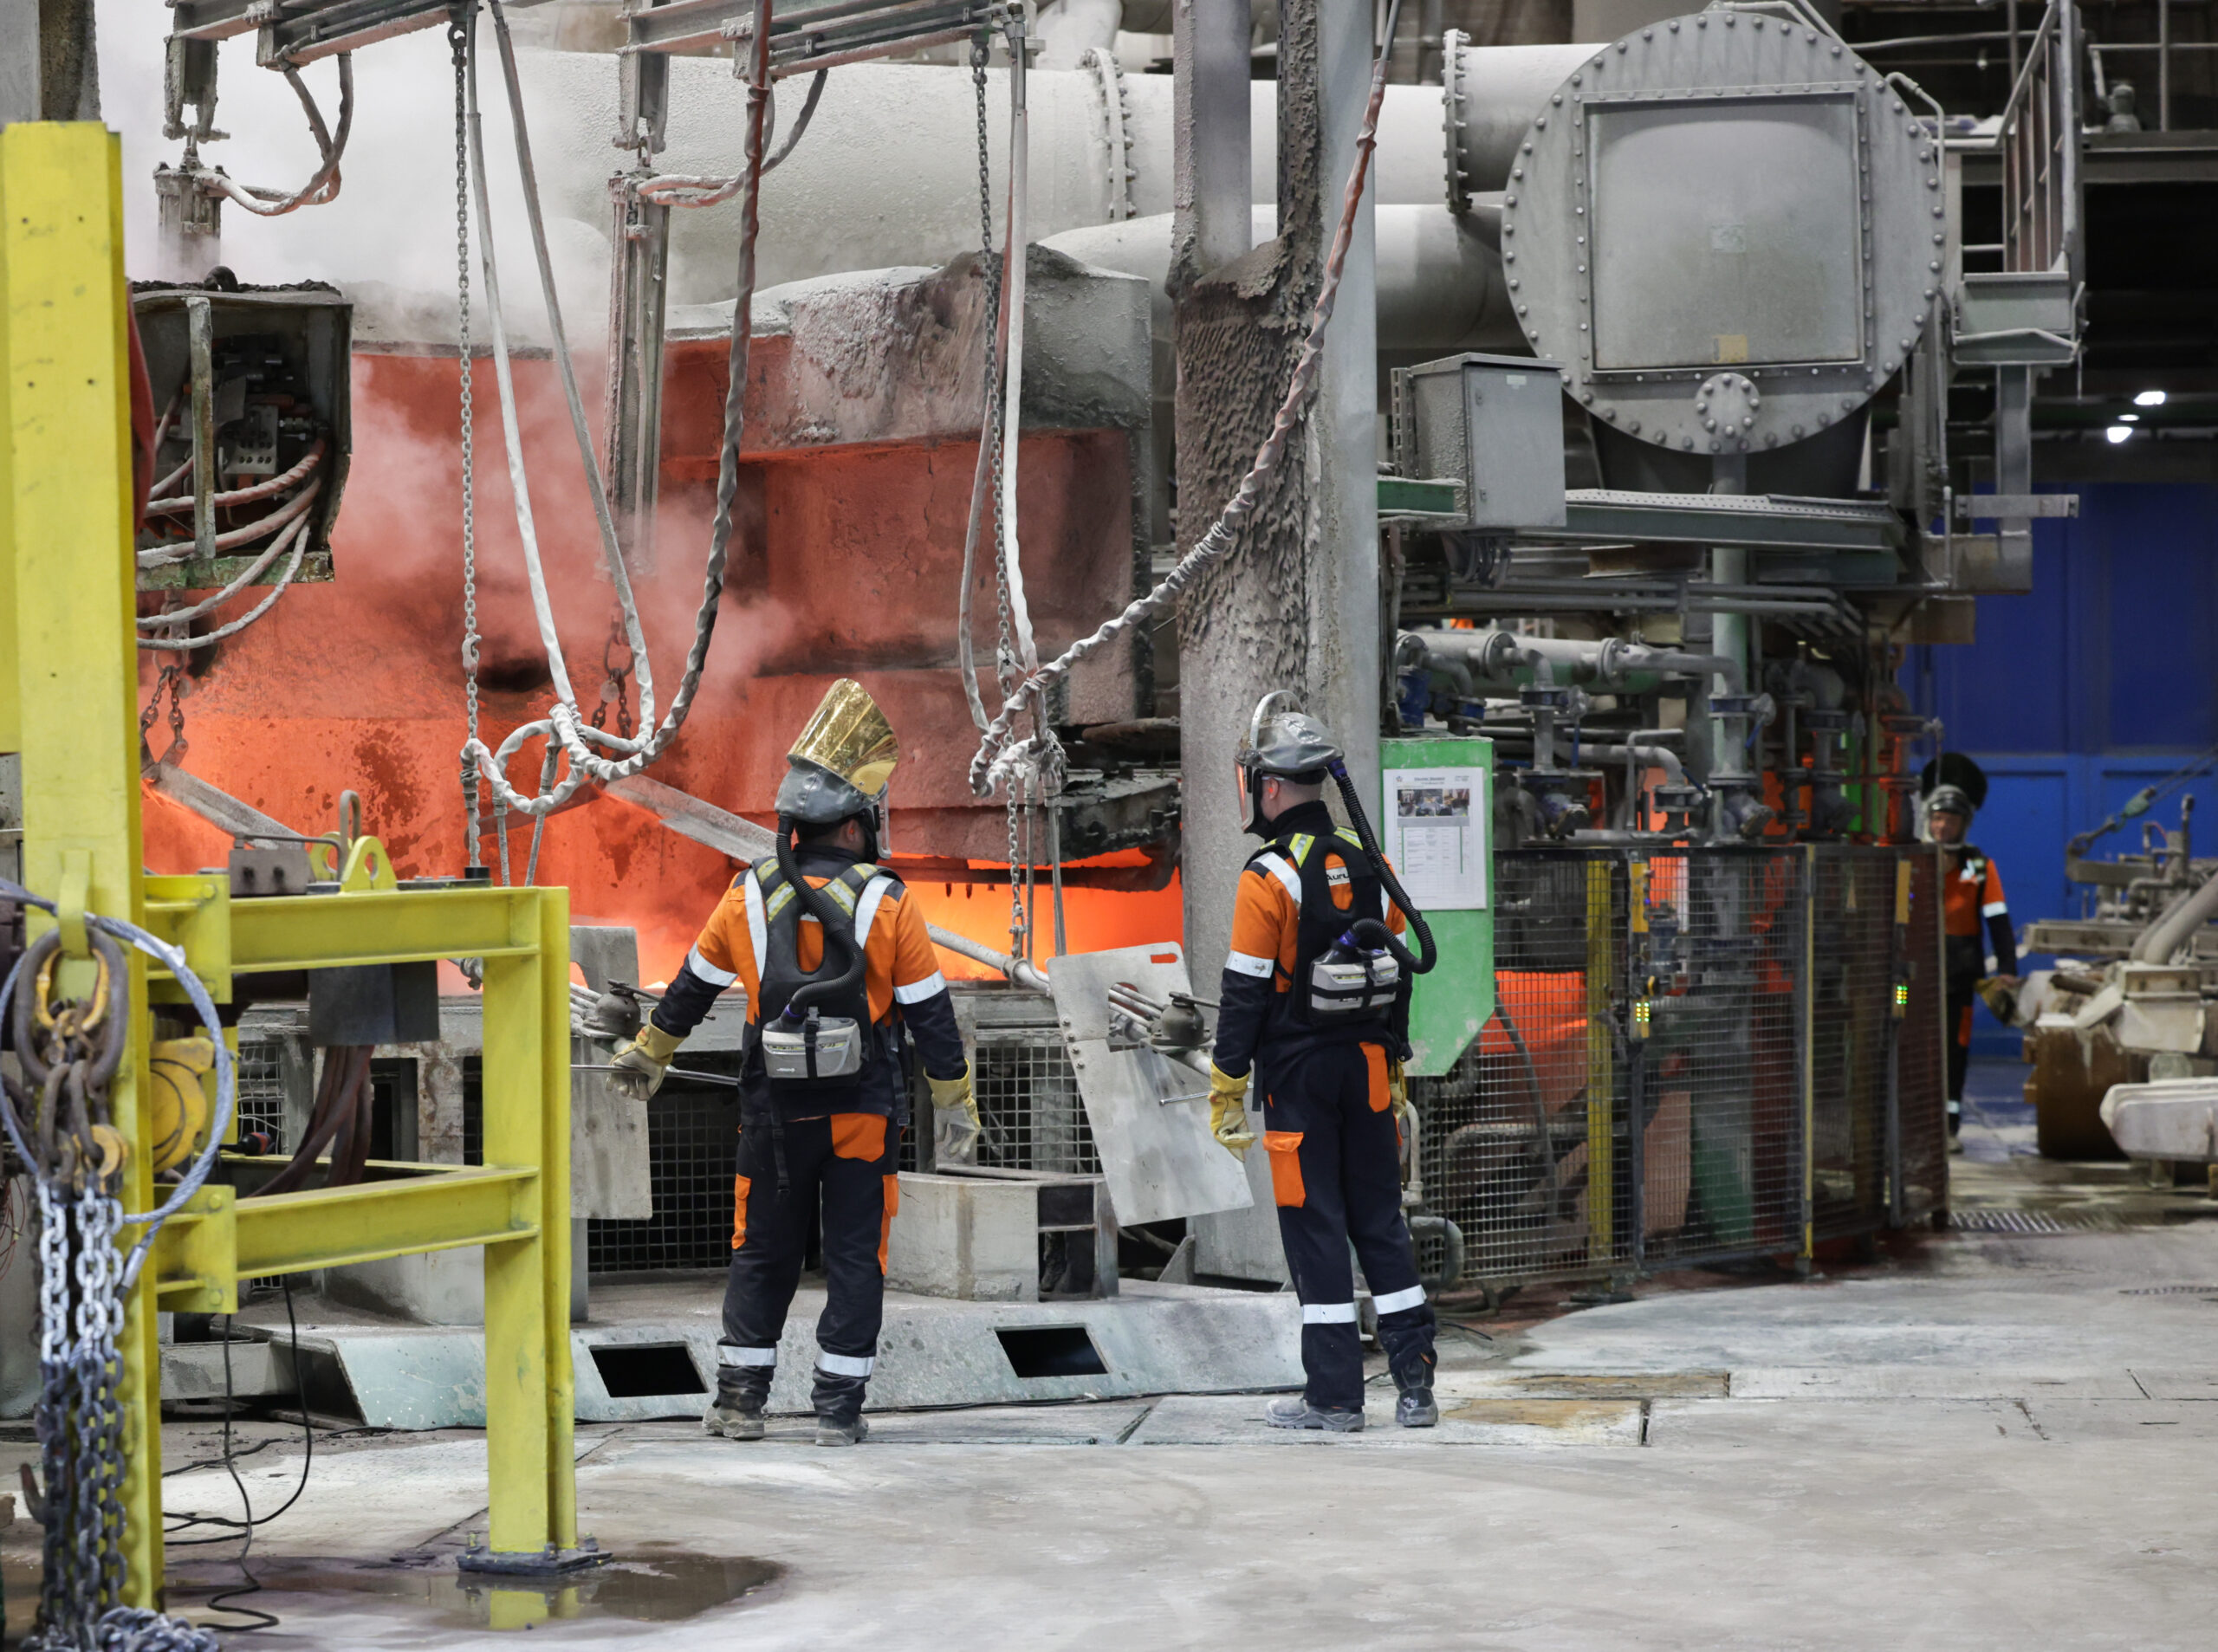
(2001,997)
(954,1120)
(1229,1111)
(1397,1095)
(639,1063)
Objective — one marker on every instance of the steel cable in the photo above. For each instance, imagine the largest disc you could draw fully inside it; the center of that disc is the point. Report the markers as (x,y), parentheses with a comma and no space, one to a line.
(996,755)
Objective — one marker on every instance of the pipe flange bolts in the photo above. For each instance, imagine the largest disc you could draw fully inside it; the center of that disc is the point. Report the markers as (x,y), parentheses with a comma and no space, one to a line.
(1554,697)
(1726,406)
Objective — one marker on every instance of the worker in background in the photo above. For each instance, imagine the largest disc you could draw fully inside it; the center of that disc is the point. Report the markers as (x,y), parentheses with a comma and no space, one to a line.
(835,963)
(1980,955)
(1330,1074)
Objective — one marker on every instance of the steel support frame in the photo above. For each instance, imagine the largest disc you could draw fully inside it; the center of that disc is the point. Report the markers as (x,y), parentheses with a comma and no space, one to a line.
(68,638)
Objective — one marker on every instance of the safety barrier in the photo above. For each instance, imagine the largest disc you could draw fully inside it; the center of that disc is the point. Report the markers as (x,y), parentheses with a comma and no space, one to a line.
(1699,1054)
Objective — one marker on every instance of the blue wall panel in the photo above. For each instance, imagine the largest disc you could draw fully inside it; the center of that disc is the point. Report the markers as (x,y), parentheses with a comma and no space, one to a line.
(2101,682)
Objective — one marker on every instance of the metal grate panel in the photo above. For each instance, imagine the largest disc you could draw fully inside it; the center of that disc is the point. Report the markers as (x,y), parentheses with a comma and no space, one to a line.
(692,1133)
(1029,1103)
(1922,1081)
(261,1086)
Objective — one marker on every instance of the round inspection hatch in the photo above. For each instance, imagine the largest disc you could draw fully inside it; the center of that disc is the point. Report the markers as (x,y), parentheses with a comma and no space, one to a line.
(1728,227)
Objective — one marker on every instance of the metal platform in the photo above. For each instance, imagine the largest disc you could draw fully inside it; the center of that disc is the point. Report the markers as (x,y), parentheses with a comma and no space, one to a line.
(1149,1339)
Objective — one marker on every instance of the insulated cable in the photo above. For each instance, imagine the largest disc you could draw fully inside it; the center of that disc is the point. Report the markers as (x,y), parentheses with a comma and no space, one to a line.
(994,755)
(564,723)
(677,189)
(323,187)
(296,536)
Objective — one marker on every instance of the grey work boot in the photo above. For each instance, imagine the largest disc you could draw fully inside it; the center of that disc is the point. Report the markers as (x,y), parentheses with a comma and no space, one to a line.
(1414,1406)
(1294,1411)
(839,1403)
(735,1412)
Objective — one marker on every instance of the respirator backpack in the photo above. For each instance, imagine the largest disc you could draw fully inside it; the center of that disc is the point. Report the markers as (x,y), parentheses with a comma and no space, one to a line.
(824,1052)
(1338,980)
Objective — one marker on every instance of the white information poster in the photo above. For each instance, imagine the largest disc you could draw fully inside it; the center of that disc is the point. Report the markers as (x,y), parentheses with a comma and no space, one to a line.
(1436,835)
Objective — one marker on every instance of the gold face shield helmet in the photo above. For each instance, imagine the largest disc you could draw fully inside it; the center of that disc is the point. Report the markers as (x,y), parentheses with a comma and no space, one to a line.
(840,765)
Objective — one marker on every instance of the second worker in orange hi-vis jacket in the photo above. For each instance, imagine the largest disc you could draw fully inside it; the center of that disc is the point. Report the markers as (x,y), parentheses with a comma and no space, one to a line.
(836,966)
(1314,1006)
(1978,947)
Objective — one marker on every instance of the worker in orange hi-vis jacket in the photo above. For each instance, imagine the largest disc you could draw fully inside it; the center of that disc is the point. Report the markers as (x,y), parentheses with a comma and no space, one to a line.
(836,965)
(1315,1007)
(1980,953)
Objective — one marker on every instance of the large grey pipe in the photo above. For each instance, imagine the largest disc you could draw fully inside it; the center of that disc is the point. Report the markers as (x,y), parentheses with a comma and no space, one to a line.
(2179,922)
(1440,284)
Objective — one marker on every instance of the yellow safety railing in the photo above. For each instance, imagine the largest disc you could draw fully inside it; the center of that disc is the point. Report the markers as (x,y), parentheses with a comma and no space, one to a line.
(68,673)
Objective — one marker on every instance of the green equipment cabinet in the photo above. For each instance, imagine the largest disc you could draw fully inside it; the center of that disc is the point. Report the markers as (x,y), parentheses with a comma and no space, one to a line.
(1436,821)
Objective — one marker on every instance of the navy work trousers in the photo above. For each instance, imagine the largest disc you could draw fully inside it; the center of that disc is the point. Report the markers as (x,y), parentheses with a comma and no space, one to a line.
(1335,1149)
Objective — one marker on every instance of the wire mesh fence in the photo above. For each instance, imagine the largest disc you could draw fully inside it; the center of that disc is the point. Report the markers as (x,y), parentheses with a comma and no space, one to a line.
(1695,1056)
(1522,1139)
(1921,1080)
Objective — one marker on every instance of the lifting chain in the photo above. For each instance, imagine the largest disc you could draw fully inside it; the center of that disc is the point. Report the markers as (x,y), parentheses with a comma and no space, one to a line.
(616,665)
(173,681)
(69,1050)
(458,49)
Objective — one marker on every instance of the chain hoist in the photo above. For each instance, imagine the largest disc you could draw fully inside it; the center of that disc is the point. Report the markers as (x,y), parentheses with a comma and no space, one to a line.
(69,1049)
(458,49)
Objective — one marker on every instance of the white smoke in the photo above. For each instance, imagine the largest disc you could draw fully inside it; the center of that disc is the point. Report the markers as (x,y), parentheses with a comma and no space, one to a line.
(389,238)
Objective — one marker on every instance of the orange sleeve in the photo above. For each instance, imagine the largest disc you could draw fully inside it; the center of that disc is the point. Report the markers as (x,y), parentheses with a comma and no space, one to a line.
(723,953)
(1264,931)
(1992,904)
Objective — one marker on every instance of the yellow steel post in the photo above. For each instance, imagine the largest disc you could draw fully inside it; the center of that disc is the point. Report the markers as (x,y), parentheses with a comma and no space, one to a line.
(1601,1065)
(65,529)
(529,1397)
(1807,1037)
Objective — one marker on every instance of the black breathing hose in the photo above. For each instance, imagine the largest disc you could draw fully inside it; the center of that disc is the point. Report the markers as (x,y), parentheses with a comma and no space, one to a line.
(821,908)
(1371,929)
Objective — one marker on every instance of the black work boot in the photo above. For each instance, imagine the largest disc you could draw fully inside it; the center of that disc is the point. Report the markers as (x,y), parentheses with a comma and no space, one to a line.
(1416,1408)
(839,1403)
(1294,1411)
(736,1412)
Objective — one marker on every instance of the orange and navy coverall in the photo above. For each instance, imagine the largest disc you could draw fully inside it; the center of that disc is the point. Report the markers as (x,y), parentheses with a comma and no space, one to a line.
(1328,1123)
(1977,921)
(843,1160)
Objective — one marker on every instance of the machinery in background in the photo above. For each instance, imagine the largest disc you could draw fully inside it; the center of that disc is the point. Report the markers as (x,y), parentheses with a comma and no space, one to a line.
(2132,1000)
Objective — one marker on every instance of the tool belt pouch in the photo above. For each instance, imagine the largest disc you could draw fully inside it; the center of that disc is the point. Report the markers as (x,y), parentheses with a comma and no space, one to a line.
(819,1048)
(1347,983)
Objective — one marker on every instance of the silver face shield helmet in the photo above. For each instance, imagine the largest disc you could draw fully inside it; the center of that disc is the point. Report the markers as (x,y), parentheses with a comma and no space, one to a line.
(1284,741)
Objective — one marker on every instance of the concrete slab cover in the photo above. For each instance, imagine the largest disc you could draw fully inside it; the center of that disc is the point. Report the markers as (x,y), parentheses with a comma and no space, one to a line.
(1151,1339)
(1156,1151)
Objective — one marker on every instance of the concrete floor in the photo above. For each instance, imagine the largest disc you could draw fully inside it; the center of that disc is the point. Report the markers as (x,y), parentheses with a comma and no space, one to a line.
(1979,1440)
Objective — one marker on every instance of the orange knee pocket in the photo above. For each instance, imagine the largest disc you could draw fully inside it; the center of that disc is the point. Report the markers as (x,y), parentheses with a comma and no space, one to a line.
(739,1187)
(1285,1149)
(1374,1061)
(858,1135)
(886,1221)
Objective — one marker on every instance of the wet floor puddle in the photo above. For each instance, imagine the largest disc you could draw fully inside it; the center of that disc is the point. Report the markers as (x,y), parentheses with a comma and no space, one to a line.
(647,1587)
(1594,1385)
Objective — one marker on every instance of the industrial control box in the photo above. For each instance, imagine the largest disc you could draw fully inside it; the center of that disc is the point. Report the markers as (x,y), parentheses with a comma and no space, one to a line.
(1436,823)
(1492,424)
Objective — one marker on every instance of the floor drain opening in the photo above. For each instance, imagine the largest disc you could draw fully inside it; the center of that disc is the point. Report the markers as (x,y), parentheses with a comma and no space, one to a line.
(1051,1351)
(646,1371)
